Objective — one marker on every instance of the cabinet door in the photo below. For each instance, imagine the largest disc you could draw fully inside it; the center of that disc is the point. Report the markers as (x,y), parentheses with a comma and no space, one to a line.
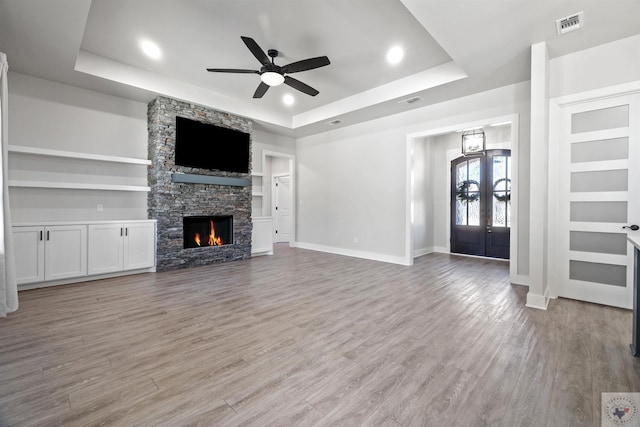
(139,245)
(261,240)
(105,248)
(28,245)
(65,251)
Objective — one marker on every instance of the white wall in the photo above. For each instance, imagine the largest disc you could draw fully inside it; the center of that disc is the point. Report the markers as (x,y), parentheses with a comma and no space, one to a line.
(352,181)
(264,141)
(51,115)
(423,199)
(601,66)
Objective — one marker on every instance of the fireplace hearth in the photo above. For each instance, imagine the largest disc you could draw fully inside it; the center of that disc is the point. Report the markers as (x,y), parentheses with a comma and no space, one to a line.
(200,231)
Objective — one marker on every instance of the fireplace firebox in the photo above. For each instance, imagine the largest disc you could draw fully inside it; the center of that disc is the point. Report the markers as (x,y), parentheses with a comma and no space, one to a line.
(202,231)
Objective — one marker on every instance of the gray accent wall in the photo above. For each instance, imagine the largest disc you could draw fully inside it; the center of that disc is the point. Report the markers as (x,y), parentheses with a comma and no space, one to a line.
(170,201)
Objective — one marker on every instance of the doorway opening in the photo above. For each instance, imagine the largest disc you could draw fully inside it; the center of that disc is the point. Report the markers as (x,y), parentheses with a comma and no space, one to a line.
(279,195)
(481,204)
(429,207)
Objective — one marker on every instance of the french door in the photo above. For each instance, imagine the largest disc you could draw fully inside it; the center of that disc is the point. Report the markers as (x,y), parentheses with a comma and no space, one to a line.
(481,204)
(597,192)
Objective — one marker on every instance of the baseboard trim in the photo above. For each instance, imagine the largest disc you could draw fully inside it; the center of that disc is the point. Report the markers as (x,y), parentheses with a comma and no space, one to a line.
(521,280)
(82,279)
(421,252)
(540,302)
(353,253)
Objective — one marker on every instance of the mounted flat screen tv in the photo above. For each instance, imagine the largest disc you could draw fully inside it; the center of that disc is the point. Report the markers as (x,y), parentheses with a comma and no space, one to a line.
(207,146)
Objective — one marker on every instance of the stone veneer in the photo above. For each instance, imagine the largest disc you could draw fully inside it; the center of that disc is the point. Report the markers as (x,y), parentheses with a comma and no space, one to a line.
(169,201)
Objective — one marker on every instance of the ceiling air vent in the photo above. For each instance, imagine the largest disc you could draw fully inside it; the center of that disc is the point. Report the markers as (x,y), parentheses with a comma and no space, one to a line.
(570,23)
(334,122)
(412,100)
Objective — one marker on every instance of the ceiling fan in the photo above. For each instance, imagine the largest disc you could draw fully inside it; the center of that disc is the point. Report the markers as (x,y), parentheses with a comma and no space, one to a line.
(274,75)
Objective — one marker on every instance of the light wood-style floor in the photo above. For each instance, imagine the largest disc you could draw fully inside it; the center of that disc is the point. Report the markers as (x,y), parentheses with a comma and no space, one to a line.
(305,338)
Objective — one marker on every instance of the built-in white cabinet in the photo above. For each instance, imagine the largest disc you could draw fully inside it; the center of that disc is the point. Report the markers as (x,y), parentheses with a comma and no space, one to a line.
(118,247)
(51,254)
(261,240)
(28,245)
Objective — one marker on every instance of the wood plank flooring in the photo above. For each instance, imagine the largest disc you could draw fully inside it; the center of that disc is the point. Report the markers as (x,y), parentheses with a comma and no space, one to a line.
(306,338)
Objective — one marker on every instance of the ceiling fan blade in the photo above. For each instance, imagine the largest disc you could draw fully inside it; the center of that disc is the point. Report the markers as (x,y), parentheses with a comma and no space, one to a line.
(261,90)
(256,50)
(232,70)
(302,87)
(306,64)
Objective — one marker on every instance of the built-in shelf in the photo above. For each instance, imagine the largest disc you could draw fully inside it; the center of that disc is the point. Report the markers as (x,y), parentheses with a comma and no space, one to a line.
(257,174)
(76,186)
(76,155)
(257,194)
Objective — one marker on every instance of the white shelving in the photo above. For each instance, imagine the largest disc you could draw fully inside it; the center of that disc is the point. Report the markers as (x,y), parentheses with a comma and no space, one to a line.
(257,193)
(76,155)
(76,186)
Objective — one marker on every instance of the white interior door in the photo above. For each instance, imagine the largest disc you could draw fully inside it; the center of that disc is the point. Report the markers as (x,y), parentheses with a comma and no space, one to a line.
(282,208)
(598,181)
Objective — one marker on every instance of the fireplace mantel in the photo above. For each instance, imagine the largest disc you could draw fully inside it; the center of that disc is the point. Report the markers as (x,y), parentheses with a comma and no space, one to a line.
(191,178)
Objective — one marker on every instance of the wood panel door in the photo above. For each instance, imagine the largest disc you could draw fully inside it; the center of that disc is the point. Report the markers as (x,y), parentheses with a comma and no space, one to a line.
(481,204)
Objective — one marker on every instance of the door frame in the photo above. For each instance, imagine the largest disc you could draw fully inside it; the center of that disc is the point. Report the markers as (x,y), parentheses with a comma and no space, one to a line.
(274,222)
(292,173)
(555,133)
(417,137)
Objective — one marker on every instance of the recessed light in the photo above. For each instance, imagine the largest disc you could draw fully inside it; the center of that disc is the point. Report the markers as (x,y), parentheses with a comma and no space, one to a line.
(395,55)
(288,99)
(151,49)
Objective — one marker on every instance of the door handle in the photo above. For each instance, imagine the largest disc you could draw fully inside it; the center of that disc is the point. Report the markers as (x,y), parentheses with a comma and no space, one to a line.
(631,227)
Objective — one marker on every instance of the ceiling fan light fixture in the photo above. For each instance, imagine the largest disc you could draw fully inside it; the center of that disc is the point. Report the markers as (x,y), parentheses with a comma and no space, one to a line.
(272,78)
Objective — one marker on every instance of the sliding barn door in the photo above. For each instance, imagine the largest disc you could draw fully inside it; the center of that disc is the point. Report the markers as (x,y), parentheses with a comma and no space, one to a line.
(598,184)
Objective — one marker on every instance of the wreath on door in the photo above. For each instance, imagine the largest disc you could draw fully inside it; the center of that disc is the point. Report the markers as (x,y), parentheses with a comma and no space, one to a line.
(502,195)
(462,192)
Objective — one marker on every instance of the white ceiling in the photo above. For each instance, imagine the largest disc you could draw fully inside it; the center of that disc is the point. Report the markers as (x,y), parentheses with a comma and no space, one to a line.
(452,48)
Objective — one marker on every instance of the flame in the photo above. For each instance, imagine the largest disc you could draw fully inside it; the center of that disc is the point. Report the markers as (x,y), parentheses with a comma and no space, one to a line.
(197,239)
(213,240)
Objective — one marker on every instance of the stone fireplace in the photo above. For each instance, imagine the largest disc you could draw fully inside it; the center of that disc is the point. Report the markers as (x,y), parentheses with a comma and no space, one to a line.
(214,195)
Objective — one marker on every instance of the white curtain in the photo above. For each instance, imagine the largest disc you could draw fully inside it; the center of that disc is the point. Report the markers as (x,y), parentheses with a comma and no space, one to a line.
(8,286)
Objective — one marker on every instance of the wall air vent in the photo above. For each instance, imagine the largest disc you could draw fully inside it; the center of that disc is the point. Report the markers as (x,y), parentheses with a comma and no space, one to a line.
(334,122)
(411,100)
(570,23)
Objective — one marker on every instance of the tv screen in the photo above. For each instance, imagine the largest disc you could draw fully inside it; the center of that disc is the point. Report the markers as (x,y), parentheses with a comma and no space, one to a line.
(206,146)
